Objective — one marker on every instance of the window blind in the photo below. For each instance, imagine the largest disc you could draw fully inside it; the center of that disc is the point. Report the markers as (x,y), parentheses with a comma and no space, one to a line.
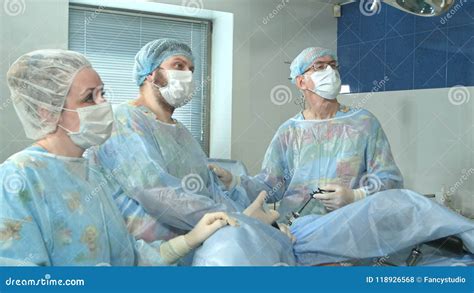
(110,40)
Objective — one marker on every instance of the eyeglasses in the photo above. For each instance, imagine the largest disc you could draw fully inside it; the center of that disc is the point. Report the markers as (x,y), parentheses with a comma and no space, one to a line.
(320,66)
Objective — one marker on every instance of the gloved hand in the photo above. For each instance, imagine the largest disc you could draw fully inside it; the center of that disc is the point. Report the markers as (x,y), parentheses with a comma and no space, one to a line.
(207,226)
(340,197)
(224,176)
(286,230)
(174,249)
(256,210)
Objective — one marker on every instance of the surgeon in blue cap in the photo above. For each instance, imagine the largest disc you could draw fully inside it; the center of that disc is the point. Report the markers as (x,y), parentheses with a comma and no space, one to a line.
(327,146)
(163,168)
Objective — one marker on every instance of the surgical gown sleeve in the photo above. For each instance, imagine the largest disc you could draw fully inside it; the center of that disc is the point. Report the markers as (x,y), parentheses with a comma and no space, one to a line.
(159,253)
(20,213)
(383,173)
(135,159)
(275,175)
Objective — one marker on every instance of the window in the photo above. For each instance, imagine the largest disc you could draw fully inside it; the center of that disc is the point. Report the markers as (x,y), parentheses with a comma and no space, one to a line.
(111,38)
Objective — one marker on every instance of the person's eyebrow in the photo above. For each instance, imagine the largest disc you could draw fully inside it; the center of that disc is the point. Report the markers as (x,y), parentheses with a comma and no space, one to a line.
(179,58)
(320,62)
(90,89)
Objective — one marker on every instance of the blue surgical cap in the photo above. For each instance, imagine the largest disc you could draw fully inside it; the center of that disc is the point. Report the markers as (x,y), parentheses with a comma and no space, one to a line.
(307,57)
(150,57)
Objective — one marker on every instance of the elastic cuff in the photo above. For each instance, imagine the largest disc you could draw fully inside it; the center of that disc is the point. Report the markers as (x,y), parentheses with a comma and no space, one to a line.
(235,182)
(174,249)
(359,194)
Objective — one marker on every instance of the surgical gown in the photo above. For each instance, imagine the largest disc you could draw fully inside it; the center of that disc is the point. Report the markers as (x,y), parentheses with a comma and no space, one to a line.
(350,149)
(164,171)
(59,211)
(378,226)
(387,224)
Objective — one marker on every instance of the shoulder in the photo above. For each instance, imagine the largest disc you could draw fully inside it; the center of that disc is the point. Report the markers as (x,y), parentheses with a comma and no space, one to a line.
(370,117)
(19,180)
(123,112)
(23,161)
(290,123)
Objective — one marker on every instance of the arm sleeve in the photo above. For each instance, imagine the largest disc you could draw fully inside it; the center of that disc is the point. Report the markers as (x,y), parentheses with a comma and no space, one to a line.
(138,166)
(18,226)
(380,163)
(175,208)
(274,176)
(161,208)
(237,194)
(159,253)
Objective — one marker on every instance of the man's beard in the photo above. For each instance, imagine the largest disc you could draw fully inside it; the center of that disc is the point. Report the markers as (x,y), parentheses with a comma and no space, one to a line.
(159,97)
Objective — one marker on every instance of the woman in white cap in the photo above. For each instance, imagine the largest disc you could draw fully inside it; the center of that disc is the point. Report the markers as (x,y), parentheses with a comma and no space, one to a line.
(56,208)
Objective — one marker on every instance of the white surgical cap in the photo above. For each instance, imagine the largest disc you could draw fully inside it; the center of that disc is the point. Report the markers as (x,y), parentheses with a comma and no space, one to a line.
(39,82)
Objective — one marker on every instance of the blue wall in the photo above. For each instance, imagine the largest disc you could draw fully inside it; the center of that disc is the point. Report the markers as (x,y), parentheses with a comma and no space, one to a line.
(412,52)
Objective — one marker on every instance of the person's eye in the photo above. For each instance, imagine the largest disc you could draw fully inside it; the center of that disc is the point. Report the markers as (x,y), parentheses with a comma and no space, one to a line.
(179,66)
(88,99)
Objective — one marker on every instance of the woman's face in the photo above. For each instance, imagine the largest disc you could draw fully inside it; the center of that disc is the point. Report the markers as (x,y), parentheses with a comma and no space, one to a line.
(86,90)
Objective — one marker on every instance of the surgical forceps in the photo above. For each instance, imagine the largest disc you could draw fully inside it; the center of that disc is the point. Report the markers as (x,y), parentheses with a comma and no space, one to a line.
(296,215)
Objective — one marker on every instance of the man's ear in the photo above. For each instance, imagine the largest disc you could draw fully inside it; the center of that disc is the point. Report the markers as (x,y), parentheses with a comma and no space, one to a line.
(300,82)
(150,77)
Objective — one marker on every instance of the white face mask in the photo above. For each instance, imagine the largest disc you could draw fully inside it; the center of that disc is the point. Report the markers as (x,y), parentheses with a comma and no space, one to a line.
(327,83)
(180,88)
(95,122)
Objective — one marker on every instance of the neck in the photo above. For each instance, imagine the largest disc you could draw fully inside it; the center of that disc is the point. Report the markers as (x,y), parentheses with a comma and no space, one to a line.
(157,105)
(319,108)
(60,144)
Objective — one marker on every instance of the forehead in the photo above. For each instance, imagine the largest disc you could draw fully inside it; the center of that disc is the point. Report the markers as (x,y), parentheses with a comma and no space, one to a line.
(178,58)
(86,78)
(326,58)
